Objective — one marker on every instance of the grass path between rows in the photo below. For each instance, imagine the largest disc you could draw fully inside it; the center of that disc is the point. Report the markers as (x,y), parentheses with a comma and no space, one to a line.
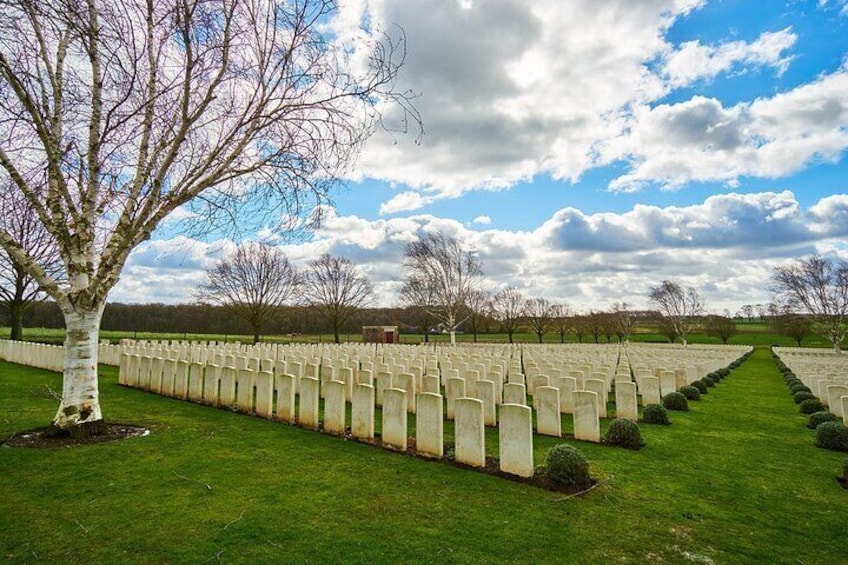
(736,480)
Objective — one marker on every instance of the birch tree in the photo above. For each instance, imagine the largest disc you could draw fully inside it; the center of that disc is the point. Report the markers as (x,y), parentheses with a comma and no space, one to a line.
(252,283)
(450,272)
(678,306)
(115,114)
(817,285)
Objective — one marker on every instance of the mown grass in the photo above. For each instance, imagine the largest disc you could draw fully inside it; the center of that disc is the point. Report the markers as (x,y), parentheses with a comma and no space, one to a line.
(736,480)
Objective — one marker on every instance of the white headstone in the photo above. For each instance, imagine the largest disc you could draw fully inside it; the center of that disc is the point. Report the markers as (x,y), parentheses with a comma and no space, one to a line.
(516,440)
(625,401)
(394,418)
(834,395)
(285,397)
(587,426)
(308,405)
(600,388)
(334,407)
(649,388)
(548,420)
(515,393)
(469,432)
(265,394)
(362,412)
(429,425)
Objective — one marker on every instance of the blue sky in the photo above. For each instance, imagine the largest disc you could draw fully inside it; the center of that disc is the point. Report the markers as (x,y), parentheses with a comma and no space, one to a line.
(588,150)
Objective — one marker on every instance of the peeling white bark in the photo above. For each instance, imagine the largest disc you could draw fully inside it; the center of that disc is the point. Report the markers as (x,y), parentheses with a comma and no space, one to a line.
(80,397)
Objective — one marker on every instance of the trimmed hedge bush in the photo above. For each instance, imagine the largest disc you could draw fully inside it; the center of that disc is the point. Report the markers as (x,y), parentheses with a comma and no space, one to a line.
(724,372)
(832,435)
(800,397)
(655,414)
(690,392)
(675,401)
(624,433)
(701,386)
(567,465)
(820,417)
(708,381)
(800,387)
(811,405)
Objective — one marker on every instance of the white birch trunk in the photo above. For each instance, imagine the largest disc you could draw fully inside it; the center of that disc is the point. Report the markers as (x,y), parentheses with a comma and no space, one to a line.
(80,397)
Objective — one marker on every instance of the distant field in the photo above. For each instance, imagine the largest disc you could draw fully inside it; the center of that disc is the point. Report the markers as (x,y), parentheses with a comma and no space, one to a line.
(736,480)
(748,334)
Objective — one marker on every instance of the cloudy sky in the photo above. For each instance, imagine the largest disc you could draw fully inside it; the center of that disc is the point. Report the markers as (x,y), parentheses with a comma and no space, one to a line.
(590,149)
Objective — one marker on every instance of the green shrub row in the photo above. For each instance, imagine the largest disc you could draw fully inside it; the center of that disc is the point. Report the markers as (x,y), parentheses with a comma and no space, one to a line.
(830,432)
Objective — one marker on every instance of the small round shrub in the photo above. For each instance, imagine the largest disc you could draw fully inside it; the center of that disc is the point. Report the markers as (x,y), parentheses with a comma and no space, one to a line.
(567,465)
(820,417)
(624,433)
(690,392)
(701,386)
(800,397)
(675,401)
(714,376)
(832,435)
(655,414)
(801,387)
(708,381)
(810,406)
(724,372)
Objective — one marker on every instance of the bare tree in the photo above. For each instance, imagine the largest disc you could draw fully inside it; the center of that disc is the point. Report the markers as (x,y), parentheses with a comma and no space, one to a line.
(748,312)
(624,320)
(581,326)
(819,286)
(561,320)
(596,324)
(539,313)
(252,283)
(417,295)
(793,326)
(721,327)
(451,273)
(336,288)
(508,309)
(115,114)
(18,290)
(679,306)
(479,308)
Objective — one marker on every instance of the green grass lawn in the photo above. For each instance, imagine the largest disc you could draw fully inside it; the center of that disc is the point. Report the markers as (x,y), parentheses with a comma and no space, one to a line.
(736,480)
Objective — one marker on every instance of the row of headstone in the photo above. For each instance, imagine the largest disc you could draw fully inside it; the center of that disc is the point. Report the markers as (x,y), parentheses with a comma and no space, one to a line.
(31,354)
(824,372)
(273,396)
